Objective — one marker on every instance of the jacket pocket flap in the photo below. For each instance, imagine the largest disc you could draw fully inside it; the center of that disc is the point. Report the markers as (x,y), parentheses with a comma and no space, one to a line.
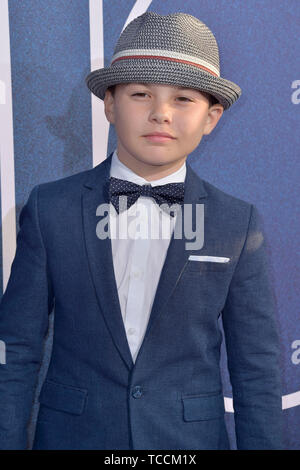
(63,397)
(201,407)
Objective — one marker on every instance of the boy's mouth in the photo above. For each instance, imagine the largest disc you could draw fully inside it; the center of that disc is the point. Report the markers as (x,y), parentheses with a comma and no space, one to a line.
(159,137)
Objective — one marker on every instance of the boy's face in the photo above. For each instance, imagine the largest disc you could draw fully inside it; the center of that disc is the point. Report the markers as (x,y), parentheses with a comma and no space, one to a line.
(138,110)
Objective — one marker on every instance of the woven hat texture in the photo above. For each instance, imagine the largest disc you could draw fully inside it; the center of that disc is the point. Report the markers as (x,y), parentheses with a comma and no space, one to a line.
(176,49)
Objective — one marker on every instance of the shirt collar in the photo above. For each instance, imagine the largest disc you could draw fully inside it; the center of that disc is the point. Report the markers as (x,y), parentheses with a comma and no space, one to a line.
(121,171)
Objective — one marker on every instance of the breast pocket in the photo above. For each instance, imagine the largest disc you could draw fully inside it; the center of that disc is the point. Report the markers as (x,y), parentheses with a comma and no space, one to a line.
(203,407)
(206,266)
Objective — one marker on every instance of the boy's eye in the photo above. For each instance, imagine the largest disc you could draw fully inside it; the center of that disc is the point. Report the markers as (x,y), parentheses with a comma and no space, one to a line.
(184,98)
(180,97)
(140,93)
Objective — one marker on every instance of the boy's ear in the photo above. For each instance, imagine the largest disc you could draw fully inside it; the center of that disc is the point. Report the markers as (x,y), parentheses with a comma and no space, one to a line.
(109,107)
(214,114)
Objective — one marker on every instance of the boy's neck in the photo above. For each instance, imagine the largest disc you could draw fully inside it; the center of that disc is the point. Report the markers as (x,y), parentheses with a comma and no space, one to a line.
(150,172)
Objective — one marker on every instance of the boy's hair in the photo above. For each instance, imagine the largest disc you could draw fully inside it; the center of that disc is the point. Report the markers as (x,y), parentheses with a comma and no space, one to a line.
(212,100)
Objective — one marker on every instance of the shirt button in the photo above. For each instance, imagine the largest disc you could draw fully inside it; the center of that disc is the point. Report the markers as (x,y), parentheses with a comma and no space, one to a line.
(136,274)
(137,392)
(131,331)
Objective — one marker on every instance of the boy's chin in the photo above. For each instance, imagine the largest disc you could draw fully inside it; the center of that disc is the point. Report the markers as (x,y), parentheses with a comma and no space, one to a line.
(158,161)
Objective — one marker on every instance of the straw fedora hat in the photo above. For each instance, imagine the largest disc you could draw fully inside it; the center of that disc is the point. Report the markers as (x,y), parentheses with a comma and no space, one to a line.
(176,49)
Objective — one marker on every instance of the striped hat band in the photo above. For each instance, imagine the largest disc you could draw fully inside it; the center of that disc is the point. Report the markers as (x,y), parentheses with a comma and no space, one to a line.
(166,55)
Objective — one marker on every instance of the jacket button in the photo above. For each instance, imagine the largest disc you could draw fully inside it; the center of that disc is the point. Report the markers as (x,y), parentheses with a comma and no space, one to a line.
(137,392)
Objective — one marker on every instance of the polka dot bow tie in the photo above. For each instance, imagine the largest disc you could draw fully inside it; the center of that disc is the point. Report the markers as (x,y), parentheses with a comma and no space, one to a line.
(172,193)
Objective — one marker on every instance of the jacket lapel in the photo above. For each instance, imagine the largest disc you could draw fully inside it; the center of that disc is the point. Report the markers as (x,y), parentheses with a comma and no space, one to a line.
(177,255)
(99,253)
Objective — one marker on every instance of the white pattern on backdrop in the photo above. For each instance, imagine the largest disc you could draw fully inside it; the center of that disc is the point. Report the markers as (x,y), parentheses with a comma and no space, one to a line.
(7,164)
(140,7)
(100,125)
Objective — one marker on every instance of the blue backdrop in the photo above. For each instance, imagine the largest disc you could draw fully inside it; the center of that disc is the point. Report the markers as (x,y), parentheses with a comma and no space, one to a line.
(252,154)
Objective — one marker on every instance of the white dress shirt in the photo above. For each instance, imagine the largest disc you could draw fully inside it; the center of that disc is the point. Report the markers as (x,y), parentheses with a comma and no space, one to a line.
(140,238)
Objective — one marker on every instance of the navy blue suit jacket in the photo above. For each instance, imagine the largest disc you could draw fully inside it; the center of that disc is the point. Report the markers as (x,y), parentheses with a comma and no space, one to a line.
(94,396)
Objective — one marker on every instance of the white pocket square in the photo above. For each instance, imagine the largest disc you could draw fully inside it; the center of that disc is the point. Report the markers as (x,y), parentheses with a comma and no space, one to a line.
(215,259)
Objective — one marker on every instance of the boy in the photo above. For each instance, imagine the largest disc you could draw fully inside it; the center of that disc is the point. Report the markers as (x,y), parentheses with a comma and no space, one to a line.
(136,347)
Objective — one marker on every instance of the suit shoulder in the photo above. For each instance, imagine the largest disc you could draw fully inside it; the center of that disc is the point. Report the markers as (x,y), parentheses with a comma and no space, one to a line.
(226,199)
(64,190)
(230,211)
(66,183)
(231,215)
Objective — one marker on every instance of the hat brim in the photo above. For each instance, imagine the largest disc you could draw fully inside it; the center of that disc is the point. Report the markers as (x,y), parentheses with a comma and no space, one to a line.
(164,72)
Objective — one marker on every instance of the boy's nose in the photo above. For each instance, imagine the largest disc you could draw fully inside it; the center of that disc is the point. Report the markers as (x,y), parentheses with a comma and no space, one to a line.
(161,113)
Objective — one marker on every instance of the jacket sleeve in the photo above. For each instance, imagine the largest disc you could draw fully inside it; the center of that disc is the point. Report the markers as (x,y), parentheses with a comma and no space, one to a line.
(253,348)
(24,309)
